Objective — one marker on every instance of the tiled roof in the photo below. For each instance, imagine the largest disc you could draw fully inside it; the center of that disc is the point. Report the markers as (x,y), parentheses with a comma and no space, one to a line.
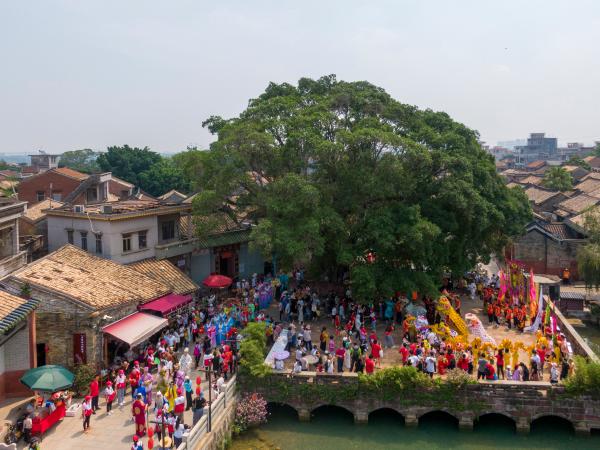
(38,210)
(577,204)
(165,272)
(536,164)
(96,282)
(513,184)
(172,193)
(227,238)
(592,160)
(588,185)
(9,174)
(560,230)
(538,196)
(532,179)
(68,172)
(13,309)
(123,207)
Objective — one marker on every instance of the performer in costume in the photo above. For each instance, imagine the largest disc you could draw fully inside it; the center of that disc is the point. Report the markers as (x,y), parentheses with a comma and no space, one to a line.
(134,378)
(138,410)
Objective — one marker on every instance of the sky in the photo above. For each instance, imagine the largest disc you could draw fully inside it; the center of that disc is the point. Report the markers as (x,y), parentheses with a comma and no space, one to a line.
(89,74)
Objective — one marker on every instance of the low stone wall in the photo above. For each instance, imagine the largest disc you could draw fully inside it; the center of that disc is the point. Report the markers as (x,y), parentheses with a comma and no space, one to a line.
(521,402)
(580,347)
(221,430)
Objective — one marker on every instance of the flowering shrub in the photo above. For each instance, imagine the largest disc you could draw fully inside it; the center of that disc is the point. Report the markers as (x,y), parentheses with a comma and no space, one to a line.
(251,410)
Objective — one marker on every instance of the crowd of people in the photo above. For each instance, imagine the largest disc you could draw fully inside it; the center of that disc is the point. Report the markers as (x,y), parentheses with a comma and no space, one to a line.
(351,341)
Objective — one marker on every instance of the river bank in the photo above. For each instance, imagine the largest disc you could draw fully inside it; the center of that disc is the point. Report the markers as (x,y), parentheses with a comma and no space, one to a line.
(332,428)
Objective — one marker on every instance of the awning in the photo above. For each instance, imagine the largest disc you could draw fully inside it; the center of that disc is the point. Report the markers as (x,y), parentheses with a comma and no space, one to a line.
(135,328)
(167,304)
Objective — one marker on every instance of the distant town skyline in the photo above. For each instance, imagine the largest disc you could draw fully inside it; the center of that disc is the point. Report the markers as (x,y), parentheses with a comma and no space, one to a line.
(147,73)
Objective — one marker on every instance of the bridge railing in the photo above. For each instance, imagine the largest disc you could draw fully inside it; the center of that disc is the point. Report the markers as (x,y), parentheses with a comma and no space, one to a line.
(192,438)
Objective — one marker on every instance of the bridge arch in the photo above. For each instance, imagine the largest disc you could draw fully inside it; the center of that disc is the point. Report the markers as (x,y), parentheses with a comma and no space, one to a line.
(435,415)
(283,406)
(556,419)
(319,409)
(387,411)
(492,417)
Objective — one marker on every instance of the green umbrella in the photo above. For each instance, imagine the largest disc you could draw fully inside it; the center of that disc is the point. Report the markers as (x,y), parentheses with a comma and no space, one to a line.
(48,378)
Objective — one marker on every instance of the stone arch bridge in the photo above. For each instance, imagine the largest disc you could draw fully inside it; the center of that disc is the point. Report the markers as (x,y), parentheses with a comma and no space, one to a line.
(523,403)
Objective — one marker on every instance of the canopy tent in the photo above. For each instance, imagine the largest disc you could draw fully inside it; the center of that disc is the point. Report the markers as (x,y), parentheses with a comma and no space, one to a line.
(167,304)
(135,328)
(217,281)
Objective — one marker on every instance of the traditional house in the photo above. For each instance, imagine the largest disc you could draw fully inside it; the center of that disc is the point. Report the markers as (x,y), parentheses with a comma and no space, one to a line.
(577,204)
(544,200)
(17,343)
(593,161)
(79,296)
(11,256)
(548,247)
(166,273)
(576,172)
(33,225)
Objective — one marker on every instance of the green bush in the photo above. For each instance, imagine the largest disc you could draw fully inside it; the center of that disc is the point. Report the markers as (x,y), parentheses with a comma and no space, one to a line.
(84,374)
(395,380)
(586,379)
(458,378)
(253,349)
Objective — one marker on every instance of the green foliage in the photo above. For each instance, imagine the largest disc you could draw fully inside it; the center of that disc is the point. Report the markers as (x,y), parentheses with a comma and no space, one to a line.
(586,379)
(128,162)
(331,170)
(25,290)
(588,255)
(192,164)
(458,378)
(161,177)
(84,374)
(253,350)
(580,162)
(558,179)
(81,160)
(395,380)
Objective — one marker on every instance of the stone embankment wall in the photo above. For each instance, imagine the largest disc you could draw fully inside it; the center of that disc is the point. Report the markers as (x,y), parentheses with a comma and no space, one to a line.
(521,402)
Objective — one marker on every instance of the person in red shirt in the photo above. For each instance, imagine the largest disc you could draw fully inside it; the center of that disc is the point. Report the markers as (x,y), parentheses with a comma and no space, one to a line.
(369,366)
(500,363)
(134,378)
(490,313)
(442,363)
(508,316)
(463,362)
(376,352)
(94,393)
(339,354)
(490,371)
(404,352)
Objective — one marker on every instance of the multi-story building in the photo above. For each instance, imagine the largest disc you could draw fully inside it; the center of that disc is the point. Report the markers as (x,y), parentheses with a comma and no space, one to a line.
(539,147)
(68,185)
(44,161)
(11,257)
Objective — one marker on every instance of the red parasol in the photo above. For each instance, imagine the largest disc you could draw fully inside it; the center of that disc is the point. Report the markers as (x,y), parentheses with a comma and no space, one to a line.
(217,281)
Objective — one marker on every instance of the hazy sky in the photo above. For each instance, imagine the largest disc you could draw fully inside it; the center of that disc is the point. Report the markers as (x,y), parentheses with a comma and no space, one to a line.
(85,73)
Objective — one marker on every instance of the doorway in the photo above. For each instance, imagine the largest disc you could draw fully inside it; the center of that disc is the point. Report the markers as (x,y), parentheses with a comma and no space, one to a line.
(41,354)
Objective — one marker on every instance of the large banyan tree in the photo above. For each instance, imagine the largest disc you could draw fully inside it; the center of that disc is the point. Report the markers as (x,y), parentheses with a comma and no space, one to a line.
(340,177)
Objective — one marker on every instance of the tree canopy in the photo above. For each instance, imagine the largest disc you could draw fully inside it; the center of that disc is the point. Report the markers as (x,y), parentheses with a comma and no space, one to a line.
(128,162)
(580,162)
(83,160)
(332,171)
(557,178)
(588,255)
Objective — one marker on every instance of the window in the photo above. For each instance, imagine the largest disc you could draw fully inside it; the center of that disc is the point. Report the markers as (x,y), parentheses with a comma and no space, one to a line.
(83,240)
(92,194)
(70,236)
(98,244)
(142,239)
(41,195)
(126,243)
(57,196)
(168,230)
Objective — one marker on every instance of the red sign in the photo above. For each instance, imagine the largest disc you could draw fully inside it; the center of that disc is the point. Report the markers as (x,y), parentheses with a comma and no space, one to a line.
(80,348)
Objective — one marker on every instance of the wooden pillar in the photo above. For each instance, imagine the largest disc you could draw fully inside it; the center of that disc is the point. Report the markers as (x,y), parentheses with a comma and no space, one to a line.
(32,340)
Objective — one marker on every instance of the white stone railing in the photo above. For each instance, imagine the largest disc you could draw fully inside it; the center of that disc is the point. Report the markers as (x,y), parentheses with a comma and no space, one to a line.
(192,438)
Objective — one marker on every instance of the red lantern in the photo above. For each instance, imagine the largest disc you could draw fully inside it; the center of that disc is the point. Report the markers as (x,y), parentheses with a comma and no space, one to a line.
(198,380)
(150,444)
(371,257)
(197,391)
(150,432)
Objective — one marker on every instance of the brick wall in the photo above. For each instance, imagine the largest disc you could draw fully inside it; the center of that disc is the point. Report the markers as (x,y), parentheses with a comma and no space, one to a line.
(545,255)
(60,184)
(58,319)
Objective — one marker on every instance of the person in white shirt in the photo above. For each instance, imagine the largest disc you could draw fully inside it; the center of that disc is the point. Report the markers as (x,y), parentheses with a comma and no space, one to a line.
(413,360)
(297,367)
(220,383)
(279,364)
(430,364)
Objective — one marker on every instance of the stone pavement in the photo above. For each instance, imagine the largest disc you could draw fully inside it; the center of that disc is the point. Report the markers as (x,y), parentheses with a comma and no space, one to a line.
(106,432)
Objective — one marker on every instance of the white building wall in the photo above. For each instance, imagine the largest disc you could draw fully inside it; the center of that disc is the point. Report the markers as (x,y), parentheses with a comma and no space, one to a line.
(16,351)
(112,236)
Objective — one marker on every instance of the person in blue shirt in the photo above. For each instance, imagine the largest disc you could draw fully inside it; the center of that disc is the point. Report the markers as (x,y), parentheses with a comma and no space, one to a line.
(187,385)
